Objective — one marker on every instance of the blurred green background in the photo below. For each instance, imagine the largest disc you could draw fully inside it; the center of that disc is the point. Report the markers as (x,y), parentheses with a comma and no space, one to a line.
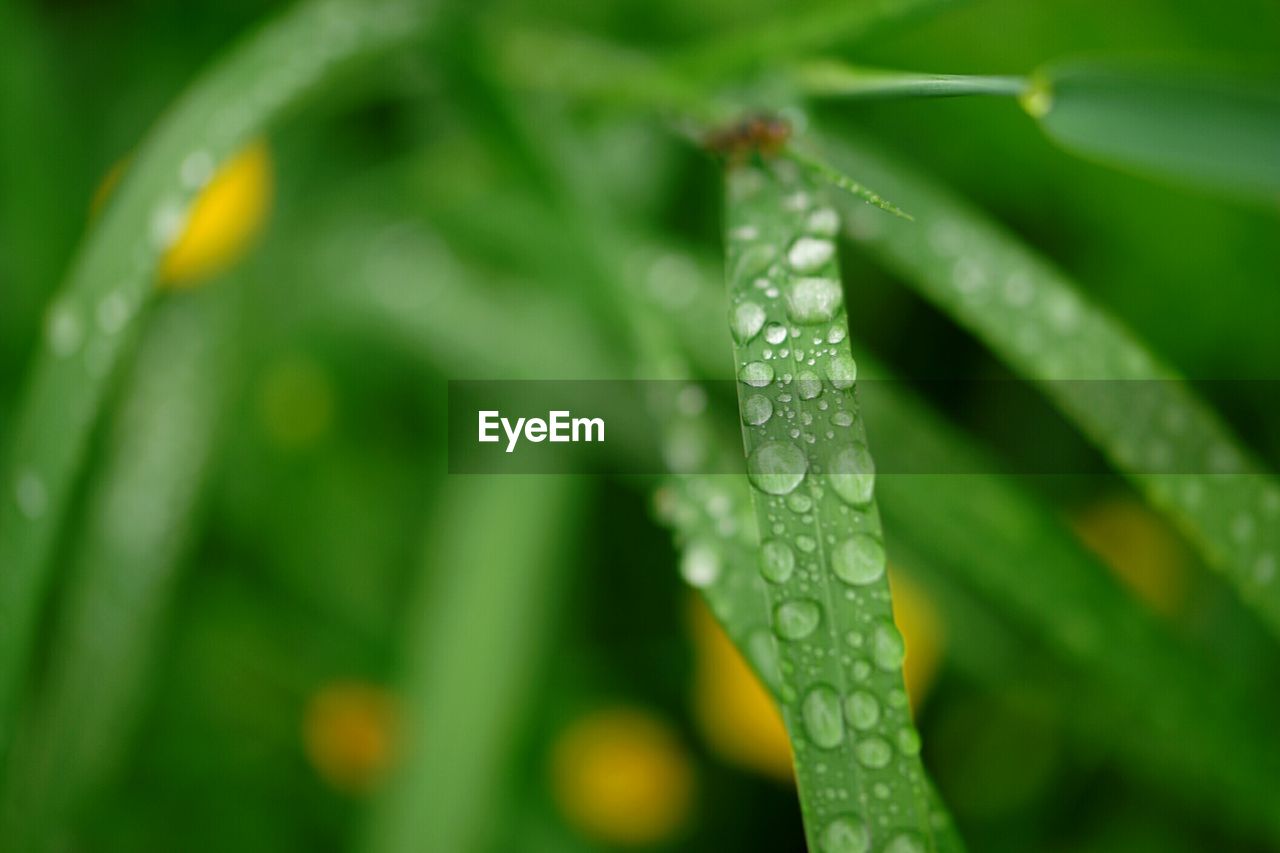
(314,573)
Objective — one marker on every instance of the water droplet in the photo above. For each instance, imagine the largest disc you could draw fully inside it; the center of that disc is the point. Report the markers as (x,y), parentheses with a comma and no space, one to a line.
(853,475)
(887,647)
(776,467)
(747,321)
(842,418)
(700,566)
(775,333)
(807,544)
(905,843)
(814,300)
(824,222)
(873,752)
(757,374)
(31,494)
(167,223)
(763,652)
(64,330)
(836,334)
(843,371)
(809,254)
(196,169)
(112,313)
(795,620)
(845,835)
(908,741)
(757,409)
(745,233)
(778,562)
(755,260)
(823,722)
(862,709)
(799,502)
(858,560)
(808,385)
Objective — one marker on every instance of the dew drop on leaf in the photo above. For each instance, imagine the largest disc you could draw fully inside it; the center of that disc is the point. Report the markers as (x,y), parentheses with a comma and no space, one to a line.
(795,620)
(823,722)
(862,709)
(814,300)
(873,752)
(853,475)
(859,559)
(746,322)
(779,561)
(775,333)
(808,385)
(757,374)
(887,648)
(809,254)
(776,467)
(757,409)
(700,566)
(843,371)
(844,835)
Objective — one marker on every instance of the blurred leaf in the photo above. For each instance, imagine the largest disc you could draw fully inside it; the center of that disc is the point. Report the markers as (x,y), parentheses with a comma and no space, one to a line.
(839,651)
(477,628)
(1135,408)
(1212,130)
(139,518)
(95,317)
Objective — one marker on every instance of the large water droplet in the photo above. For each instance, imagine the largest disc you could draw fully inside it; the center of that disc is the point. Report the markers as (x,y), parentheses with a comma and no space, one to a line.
(845,835)
(757,409)
(862,709)
(808,385)
(700,566)
(859,559)
(795,620)
(809,254)
(873,752)
(775,333)
(746,322)
(776,467)
(853,474)
(887,648)
(779,561)
(823,722)
(757,374)
(908,741)
(814,300)
(763,652)
(843,371)
(824,222)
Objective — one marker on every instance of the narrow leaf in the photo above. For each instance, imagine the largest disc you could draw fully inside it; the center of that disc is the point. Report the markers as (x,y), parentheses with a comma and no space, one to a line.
(1136,408)
(856,750)
(112,276)
(1212,130)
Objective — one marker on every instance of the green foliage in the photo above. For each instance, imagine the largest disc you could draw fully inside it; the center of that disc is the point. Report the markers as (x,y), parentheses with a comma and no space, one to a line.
(822,552)
(1210,129)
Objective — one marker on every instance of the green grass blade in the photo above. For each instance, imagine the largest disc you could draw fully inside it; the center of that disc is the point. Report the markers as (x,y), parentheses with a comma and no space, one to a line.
(477,629)
(856,749)
(833,78)
(1038,321)
(139,518)
(1202,736)
(794,32)
(1207,129)
(94,318)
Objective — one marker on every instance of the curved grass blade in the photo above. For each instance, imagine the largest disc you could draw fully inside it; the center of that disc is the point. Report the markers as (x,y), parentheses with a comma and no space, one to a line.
(858,769)
(1202,735)
(139,518)
(1208,129)
(93,320)
(477,628)
(1036,320)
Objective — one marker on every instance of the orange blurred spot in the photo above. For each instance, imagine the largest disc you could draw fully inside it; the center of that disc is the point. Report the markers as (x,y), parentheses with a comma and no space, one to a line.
(349,734)
(1139,548)
(733,711)
(917,618)
(621,776)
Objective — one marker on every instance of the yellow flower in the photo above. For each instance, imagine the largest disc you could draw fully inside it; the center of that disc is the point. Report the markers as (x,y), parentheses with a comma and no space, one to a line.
(222,222)
(1139,548)
(349,734)
(622,777)
(733,711)
(740,721)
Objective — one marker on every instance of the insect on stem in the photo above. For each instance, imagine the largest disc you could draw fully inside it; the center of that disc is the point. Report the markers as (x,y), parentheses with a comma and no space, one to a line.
(761,135)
